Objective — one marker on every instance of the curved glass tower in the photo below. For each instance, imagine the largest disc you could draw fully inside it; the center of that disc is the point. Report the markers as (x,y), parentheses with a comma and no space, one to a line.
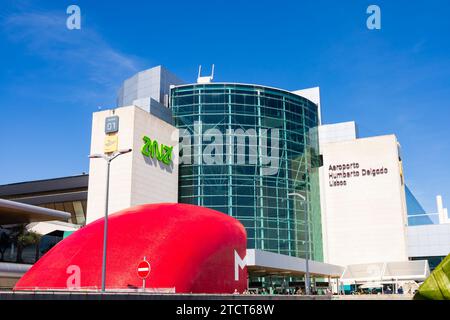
(244,149)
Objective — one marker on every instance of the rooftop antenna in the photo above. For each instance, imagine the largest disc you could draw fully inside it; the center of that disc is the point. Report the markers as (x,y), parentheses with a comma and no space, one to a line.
(206,79)
(199,71)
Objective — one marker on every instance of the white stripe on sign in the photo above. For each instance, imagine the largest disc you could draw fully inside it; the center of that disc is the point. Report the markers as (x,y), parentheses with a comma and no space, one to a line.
(143,269)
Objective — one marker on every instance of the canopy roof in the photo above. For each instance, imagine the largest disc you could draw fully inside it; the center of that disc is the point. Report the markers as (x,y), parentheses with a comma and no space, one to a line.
(404,270)
(12,212)
(263,263)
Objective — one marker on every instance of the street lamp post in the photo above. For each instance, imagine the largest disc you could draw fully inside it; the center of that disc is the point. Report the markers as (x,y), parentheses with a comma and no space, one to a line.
(108,159)
(307,279)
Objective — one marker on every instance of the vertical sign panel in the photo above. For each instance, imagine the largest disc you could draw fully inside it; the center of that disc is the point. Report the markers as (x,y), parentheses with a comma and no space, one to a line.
(111,124)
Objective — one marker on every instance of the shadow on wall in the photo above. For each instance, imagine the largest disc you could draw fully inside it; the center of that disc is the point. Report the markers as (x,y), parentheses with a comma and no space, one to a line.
(155,162)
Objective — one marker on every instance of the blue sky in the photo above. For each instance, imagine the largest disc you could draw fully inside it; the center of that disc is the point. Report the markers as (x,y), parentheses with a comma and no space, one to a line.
(395,80)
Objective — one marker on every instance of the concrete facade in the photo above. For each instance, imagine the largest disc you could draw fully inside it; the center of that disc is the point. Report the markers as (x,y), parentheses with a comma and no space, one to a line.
(429,240)
(134,179)
(312,94)
(152,83)
(344,131)
(363,203)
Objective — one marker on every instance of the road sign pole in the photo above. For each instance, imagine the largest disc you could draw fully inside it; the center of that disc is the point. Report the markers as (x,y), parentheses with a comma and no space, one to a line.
(143,280)
(143,271)
(105,229)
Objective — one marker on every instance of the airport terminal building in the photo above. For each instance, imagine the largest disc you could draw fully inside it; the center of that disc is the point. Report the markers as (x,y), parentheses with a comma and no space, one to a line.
(302,189)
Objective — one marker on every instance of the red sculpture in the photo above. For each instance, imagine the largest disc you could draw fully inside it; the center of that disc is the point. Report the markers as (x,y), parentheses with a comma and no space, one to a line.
(190,249)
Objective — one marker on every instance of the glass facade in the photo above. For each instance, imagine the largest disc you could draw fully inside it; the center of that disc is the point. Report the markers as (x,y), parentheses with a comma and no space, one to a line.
(17,245)
(416,214)
(249,125)
(433,262)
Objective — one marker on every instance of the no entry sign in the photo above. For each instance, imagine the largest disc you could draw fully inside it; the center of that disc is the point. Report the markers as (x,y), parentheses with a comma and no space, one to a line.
(143,269)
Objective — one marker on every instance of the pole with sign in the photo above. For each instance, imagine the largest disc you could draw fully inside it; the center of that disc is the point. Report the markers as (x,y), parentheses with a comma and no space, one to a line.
(110,153)
(143,271)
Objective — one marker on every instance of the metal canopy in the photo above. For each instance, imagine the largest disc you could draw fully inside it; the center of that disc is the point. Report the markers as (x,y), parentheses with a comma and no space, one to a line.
(417,270)
(12,212)
(263,263)
(13,270)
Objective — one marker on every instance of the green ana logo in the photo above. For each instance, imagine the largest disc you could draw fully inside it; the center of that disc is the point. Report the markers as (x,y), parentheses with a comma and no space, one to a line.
(152,149)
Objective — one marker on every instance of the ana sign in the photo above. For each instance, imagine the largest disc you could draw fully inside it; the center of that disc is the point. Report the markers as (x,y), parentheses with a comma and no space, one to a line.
(152,149)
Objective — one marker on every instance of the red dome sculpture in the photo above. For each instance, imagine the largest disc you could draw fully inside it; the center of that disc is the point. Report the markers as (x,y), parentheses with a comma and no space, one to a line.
(190,249)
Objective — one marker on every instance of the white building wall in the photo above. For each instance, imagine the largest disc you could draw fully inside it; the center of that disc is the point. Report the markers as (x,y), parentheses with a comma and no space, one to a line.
(364,221)
(429,240)
(153,181)
(313,95)
(344,131)
(134,179)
